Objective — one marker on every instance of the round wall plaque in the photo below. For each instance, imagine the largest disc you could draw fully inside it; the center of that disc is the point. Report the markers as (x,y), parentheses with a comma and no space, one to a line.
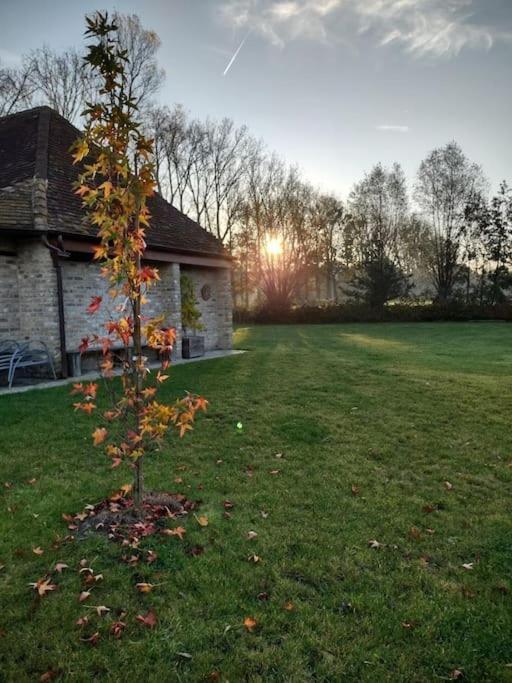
(206,292)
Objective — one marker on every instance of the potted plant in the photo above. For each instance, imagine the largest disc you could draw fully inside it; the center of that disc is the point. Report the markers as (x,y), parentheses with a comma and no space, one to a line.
(192,345)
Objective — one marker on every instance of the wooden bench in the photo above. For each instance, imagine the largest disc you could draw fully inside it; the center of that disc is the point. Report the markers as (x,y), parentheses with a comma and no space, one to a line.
(74,358)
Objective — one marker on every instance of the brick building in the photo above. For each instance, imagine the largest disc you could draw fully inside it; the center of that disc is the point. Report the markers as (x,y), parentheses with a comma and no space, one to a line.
(47,277)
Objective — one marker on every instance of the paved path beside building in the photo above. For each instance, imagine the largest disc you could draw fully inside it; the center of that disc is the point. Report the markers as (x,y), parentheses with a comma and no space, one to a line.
(91,376)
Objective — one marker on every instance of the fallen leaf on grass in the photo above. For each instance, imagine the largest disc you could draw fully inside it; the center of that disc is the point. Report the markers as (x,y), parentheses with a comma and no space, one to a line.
(99,435)
(456,674)
(60,566)
(264,514)
(185,655)
(101,610)
(32,481)
(274,472)
(82,621)
(228,505)
(414,533)
(468,565)
(251,535)
(448,486)
(92,640)
(254,558)
(263,596)
(37,551)
(152,556)
(409,625)
(355,490)
(373,543)
(202,520)
(178,480)
(43,586)
(83,596)
(117,628)
(213,677)
(179,531)
(149,619)
(250,623)
(144,587)
(289,606)
(48,676)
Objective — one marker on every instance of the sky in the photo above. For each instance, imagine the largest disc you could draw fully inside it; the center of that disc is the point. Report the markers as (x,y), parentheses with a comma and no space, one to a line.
(333,86)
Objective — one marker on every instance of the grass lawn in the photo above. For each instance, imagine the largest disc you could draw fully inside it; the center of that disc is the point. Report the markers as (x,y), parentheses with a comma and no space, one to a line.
(395,410)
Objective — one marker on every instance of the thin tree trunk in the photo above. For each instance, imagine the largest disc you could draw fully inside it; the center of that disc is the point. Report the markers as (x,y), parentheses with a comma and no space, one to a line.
(139,379)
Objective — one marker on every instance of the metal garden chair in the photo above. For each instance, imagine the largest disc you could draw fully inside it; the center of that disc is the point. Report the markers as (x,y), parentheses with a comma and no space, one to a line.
(14,356)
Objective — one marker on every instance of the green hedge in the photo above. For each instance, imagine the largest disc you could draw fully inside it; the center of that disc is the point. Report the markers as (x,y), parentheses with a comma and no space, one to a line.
(352,313)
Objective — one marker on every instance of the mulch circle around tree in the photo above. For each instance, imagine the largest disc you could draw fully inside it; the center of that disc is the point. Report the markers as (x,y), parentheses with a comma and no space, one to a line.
(120,521)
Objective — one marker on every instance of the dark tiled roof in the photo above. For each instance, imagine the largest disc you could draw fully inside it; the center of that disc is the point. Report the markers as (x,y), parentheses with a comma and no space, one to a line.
(35,143)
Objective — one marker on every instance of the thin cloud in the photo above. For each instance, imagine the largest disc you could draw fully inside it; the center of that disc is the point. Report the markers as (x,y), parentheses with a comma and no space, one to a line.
(392,128)
(423,28)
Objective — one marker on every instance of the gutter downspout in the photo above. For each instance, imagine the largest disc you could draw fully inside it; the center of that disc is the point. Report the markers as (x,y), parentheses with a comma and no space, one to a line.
(57,253)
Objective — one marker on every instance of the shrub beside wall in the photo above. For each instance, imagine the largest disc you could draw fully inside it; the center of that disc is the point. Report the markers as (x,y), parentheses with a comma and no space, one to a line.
(355,313)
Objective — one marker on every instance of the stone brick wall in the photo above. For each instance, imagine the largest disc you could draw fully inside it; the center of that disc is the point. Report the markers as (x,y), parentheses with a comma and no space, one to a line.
(82,280)
(29,301)
(216,312)
(9,303)
(37,295)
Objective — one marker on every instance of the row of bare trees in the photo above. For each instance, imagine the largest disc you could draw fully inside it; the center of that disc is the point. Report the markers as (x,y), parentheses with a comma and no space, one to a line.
(291,241)
(63,81)
(373,247)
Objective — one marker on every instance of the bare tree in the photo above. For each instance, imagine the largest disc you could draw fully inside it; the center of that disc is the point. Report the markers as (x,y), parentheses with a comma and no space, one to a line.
(144,77)
(64,82)
(15,89)
(446,182)
(379,207)
(379,214)
(328,224)
(60,80)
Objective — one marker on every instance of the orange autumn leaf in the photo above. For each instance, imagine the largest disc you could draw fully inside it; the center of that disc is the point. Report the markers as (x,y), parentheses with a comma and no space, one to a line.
(250,623)
(144,587)
(106,187)
(99,435)
(85,407)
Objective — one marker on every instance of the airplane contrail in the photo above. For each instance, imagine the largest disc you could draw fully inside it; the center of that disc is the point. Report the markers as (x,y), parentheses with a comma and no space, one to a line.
(232,60)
